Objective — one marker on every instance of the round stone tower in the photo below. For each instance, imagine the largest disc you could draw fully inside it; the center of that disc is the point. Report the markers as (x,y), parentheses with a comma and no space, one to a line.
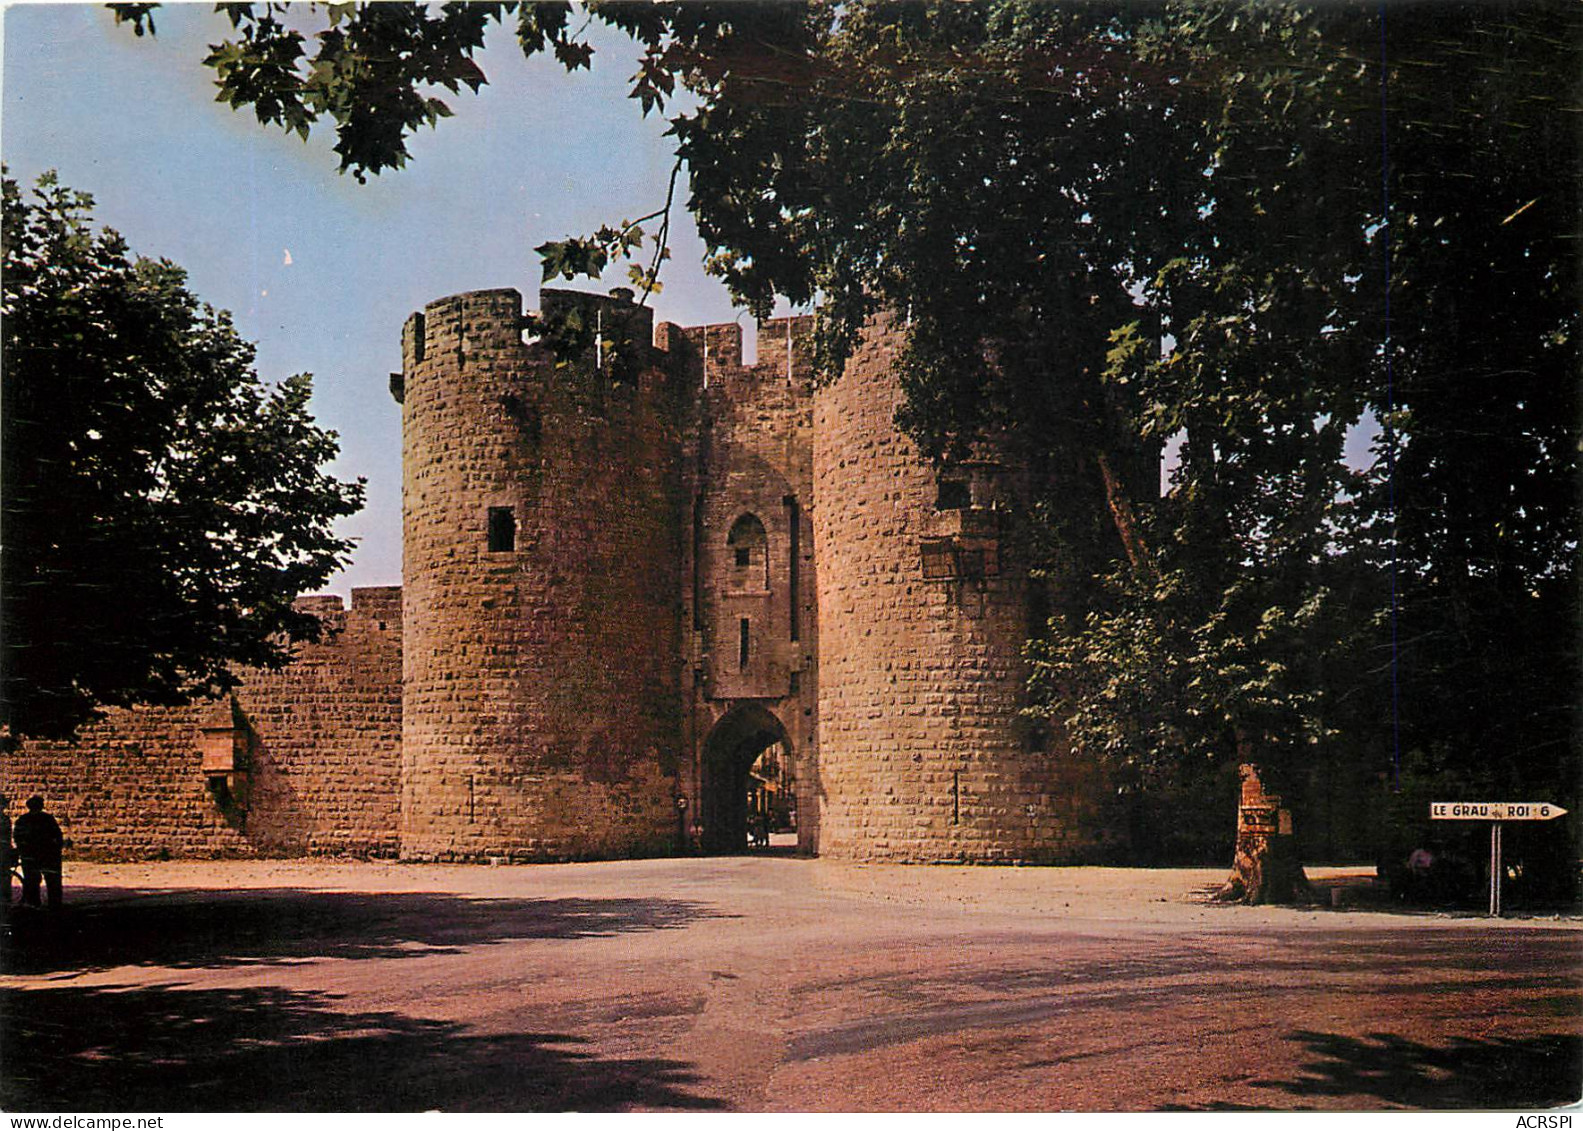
(540,654)
(924,606)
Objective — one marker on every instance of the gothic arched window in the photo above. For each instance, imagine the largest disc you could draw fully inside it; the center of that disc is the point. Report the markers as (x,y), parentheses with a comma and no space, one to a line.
(749,553)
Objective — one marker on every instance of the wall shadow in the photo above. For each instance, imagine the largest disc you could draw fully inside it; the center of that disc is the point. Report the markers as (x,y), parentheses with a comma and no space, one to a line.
(266,1049)
(229,928)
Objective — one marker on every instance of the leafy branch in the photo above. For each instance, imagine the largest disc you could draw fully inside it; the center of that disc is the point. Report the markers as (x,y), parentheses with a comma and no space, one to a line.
(588,256)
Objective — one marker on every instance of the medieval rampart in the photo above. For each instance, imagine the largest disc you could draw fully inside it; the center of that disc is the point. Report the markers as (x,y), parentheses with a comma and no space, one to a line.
(629,577)
(301,760)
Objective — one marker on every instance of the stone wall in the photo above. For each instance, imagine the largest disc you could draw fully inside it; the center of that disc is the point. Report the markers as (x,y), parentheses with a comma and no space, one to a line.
(923,611)
(541,712)
(317,757)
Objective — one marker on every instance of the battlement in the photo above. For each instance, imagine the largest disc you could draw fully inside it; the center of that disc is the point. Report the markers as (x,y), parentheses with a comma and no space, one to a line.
(702,355)
(489,320)
(472,323)
(615,317)
(462,325)
(786,348)
(377,600)
(320,605)
(711,355)
(375,605)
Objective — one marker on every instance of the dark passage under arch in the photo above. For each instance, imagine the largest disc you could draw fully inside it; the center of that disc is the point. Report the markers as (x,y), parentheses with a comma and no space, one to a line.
(736,741)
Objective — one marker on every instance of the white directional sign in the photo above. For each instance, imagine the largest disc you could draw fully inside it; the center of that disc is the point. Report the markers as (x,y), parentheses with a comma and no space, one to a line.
(1493,810)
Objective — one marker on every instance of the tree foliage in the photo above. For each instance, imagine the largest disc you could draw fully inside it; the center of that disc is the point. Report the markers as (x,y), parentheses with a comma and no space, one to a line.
(1245,230)
(1483,494)
(162,507)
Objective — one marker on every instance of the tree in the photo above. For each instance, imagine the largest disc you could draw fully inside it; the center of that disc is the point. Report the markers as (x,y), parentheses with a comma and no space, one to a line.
(162,507)
(1485,360)
(1423,611)
(1118,226)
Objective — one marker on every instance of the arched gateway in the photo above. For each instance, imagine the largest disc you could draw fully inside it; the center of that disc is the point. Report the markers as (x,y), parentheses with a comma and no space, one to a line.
(733,746)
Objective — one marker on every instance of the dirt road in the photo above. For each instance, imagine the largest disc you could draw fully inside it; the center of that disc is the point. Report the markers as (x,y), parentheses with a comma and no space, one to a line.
(766,984)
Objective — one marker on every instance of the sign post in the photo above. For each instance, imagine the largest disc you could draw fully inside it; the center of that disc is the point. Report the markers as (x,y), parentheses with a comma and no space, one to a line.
(1495,812)
(1495,869)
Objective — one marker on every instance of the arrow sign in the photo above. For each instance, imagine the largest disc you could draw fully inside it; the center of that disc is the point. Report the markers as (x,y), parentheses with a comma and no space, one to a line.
(1493,811)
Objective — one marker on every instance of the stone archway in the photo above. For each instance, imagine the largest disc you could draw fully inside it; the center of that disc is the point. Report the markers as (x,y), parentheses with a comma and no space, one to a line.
(741,735)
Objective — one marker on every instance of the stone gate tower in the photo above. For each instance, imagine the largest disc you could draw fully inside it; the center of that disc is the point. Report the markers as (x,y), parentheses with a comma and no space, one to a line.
(541,714)
(925,603)
(631,591)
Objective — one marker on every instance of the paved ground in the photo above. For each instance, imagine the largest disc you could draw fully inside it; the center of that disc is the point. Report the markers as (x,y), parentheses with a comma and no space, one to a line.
(766,983)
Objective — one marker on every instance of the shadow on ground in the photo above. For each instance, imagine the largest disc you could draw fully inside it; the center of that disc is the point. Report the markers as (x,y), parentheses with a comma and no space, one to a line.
(229,928)
(1506,1073)
(267,1049)
(1500,1073)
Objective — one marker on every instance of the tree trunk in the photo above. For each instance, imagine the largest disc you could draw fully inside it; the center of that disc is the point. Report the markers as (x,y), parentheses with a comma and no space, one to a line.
(1121,515)
(1266,868)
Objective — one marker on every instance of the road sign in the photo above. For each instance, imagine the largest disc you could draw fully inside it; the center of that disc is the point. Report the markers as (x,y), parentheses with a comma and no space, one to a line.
(1494,811)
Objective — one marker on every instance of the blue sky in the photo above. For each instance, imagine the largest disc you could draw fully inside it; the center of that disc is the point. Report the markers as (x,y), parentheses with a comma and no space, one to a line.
(318,270)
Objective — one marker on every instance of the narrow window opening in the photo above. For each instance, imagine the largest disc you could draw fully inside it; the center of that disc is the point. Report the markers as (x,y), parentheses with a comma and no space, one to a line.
(502,530)
(744,556)
(793,578)
(418,342)
(698,574)
(743,632)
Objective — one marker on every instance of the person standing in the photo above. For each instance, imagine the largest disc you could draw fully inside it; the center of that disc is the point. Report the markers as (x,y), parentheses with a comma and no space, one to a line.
(5,845)
(38,845)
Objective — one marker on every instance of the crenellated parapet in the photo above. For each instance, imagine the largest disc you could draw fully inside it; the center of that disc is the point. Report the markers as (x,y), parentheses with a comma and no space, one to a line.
(710,356)
(785,348)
